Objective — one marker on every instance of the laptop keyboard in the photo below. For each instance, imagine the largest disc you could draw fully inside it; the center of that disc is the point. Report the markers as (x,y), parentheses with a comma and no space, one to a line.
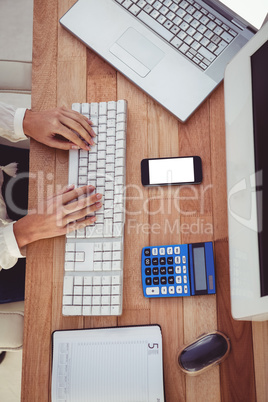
(187,26)
(93,277)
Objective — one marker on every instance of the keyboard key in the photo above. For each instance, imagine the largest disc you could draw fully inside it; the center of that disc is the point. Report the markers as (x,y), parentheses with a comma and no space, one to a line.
(227,37)
(155,26)
(206,53)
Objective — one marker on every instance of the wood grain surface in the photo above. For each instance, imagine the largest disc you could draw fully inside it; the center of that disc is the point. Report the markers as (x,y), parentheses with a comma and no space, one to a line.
(65,71)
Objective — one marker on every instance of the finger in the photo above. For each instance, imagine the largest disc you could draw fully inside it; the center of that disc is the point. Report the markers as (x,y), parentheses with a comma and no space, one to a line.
(80,214)
(72,137)
(81,119)
(76,193)
(84,130)
(82,203)
(63,190)
(79,225)
(62,144)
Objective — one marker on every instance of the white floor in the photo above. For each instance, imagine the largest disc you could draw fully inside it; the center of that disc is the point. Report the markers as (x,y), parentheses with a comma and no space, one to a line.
(10,377)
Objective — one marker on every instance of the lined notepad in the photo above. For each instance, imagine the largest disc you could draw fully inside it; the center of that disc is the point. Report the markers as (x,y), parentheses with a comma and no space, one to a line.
(122,364)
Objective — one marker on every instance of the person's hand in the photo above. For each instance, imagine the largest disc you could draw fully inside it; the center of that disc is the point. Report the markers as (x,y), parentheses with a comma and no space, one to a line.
(58,215)
(57,128)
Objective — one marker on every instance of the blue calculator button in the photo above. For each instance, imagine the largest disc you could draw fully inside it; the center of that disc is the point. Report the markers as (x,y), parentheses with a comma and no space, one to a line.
(171,280)
(163,290)
(177,260)
(179,289)
(156,280)
(147,252)
(171,290)
(151,291)
(148,281)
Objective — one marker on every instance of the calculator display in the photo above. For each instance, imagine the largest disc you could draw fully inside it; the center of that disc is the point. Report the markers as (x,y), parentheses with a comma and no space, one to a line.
(200,276)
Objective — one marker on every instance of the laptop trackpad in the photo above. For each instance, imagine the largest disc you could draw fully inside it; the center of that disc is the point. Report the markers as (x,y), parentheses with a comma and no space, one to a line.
(137,52)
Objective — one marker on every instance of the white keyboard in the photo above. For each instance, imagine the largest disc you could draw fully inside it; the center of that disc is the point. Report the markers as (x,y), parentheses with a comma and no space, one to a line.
(93,277)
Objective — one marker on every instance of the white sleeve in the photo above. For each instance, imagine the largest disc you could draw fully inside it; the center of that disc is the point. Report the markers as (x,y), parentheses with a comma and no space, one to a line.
(11,122)
(9,250)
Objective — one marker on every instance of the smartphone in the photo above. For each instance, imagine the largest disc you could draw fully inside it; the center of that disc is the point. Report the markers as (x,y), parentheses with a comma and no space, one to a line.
(171,171)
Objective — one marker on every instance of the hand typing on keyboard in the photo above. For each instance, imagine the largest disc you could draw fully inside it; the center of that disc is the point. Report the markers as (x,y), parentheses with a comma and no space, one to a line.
(58,215)
(57,128)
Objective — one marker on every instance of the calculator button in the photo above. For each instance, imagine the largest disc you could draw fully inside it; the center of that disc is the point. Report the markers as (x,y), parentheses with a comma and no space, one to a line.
(148,281)
(171,270)
(184,269)
(179,289)
(154,251)
(169,250)
(183,259)
(163,270)
(147,261)
(178,279)
(156,281)
(155,271)
(155,261)
(185,289)
(171,280)
(170,260)
(177,250)
(164,290)
(152,291)
(171,290)
(147,252)
(177,260)
(184,279)
(163,280)
(148,271)
(162,251)
(162,260)
(178,269)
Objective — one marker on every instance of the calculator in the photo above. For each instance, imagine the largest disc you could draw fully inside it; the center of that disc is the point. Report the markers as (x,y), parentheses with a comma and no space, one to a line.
(178,270)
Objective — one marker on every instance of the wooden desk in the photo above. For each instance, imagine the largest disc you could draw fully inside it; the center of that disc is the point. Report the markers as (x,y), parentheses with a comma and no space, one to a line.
(64,71)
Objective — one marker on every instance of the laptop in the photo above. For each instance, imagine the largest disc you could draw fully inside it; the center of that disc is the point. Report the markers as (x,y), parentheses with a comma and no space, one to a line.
(246,121)
(175,50)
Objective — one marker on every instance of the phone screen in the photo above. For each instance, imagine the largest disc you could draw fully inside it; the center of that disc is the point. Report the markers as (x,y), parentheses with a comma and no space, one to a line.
(174,170)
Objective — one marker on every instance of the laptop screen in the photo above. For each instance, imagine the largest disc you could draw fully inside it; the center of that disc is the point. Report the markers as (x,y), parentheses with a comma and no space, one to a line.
(253,11)
(259,68)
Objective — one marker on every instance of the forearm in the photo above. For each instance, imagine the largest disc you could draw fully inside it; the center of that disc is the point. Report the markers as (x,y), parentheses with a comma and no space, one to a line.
(58,215)
(25,231)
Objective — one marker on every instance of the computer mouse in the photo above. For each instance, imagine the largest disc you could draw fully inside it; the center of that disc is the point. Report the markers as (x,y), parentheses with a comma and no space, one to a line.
(206,351)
